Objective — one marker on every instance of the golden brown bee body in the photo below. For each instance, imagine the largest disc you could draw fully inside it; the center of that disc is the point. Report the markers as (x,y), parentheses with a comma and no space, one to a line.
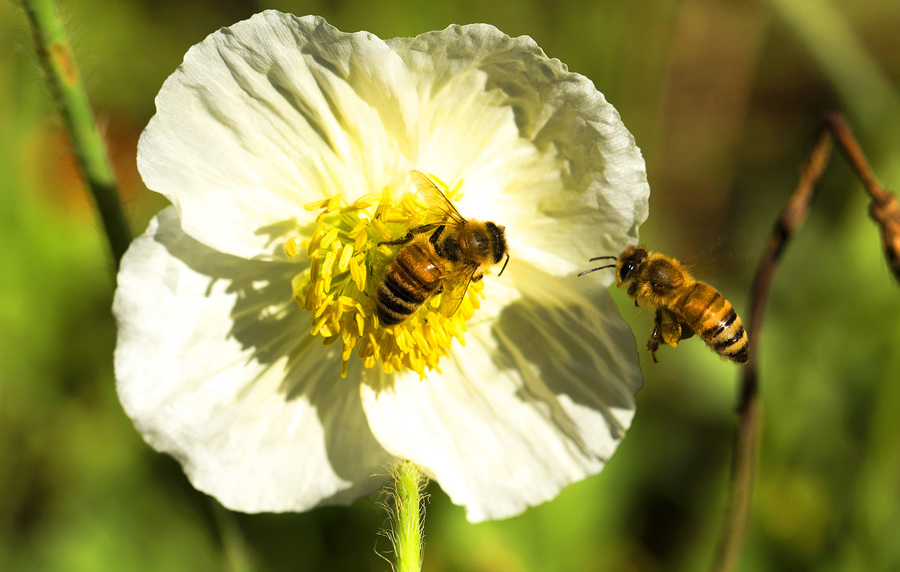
(414,276)
(456,252)
(684,306)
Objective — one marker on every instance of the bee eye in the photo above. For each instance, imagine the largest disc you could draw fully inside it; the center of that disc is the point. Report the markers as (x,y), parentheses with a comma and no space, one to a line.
(627,269)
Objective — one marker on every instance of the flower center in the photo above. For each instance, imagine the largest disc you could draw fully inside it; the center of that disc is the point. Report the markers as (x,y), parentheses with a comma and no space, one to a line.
(347,263)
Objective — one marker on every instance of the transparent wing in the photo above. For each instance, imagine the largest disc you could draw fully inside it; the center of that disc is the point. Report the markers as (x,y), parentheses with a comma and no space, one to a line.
(439,206)
(455,287)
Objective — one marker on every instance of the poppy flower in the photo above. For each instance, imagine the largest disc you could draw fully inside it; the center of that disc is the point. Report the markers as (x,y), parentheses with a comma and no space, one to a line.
(249,344)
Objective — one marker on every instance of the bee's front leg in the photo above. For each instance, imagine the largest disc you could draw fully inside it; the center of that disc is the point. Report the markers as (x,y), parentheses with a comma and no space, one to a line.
(655,337)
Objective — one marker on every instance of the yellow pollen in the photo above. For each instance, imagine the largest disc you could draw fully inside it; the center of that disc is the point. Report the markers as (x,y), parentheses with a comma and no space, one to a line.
(346,264)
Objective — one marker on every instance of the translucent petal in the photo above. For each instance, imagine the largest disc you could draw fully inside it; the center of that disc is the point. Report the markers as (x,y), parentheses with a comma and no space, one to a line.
(540,149)
(215,366)
(539,398)
(273,113)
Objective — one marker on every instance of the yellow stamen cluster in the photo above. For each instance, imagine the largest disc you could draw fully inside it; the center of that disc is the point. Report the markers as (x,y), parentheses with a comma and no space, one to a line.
(340,286)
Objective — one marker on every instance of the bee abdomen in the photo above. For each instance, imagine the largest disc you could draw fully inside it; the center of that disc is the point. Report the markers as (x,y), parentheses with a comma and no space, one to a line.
(714,319)
(728,337)
(408,282)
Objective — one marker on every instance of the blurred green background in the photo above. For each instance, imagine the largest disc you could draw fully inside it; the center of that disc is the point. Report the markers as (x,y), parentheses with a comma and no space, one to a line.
(724,98)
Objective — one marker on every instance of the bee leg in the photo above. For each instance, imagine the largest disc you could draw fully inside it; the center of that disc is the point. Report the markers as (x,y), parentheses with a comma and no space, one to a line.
(655,337)
(653,345)
(671,333)
(410,234)
(672,330)
(401,240)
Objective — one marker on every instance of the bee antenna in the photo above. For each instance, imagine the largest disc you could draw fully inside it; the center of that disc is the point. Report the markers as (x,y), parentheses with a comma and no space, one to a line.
(601,258)
(504,266)
(599,267)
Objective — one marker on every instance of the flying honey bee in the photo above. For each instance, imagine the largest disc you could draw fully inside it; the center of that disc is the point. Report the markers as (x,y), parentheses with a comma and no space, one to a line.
(684,306)
(457,252)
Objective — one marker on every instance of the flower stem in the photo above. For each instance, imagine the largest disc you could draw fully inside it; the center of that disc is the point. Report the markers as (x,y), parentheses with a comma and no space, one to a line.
(408,521)
(59,65)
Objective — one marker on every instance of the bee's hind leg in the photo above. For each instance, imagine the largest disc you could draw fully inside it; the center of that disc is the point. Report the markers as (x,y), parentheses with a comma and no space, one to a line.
(672,330)
(667,329)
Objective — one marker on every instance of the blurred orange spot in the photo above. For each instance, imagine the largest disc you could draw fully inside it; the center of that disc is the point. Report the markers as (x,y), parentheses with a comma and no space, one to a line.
(61,182)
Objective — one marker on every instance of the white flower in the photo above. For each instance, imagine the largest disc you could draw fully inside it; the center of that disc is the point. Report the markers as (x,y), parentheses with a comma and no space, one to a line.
(256,133)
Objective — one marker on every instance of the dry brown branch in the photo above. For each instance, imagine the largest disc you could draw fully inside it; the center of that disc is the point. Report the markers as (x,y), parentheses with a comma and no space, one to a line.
(885,210)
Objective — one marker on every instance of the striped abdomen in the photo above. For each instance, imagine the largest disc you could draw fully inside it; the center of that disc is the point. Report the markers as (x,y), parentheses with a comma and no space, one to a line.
(713,318)
(414,275)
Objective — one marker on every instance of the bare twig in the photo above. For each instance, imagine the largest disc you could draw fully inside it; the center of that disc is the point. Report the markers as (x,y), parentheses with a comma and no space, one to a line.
(743,463)
(885,211)
(884,208)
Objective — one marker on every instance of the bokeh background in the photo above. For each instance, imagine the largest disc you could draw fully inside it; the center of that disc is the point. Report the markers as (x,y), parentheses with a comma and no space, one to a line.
(724,98)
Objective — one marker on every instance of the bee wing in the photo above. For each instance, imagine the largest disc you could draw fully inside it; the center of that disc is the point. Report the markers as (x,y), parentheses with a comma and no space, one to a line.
(440,207)
(455,287)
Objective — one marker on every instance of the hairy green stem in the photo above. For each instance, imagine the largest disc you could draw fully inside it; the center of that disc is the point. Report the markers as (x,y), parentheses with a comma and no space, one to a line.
(408,522)
(56,57)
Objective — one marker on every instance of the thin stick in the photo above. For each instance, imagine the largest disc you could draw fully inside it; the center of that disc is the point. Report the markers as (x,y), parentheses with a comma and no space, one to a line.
(884,208)
(743,464)
(62,74)
(854,155)
(885,211)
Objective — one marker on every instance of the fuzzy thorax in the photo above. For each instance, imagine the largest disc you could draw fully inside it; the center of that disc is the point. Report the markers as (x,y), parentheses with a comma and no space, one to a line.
(651,280)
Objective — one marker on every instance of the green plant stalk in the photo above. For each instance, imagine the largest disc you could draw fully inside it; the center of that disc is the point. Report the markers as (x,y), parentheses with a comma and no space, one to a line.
(56,57)
(408,521)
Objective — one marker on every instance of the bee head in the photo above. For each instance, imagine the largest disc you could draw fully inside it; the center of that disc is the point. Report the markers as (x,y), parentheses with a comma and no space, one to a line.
(629,261)
(498,241)
(483,243)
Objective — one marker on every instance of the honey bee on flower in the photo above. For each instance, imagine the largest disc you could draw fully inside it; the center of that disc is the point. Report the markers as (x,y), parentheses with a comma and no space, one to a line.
(456,252)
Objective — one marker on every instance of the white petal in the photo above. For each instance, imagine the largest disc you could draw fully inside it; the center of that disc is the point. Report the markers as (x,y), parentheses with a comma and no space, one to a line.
(559,163)
(215,366)
(539,398)
(273,113)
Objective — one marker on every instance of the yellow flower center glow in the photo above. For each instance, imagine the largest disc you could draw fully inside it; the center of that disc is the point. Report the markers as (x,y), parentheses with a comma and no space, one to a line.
(347,262)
